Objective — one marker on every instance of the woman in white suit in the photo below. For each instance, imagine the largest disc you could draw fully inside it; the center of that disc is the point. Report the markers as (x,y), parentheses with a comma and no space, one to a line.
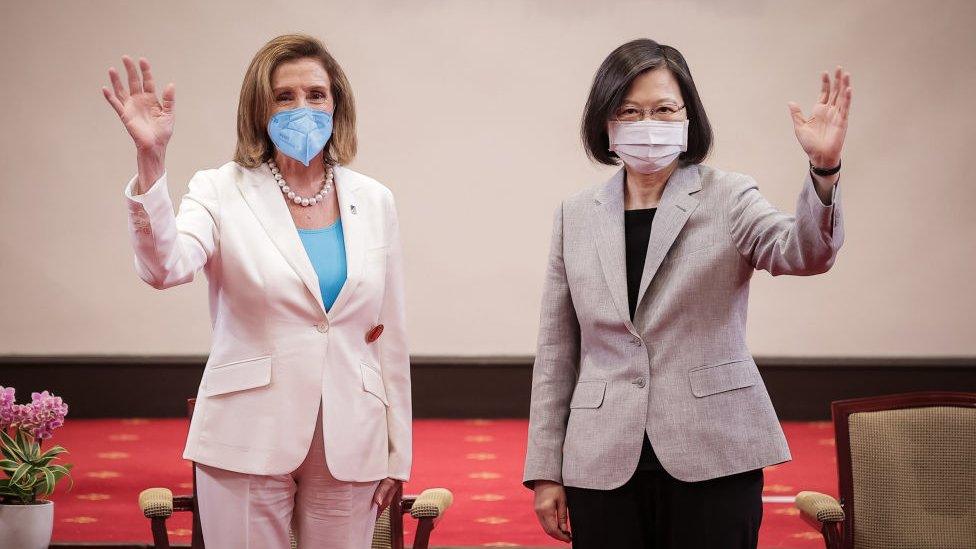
(303,417)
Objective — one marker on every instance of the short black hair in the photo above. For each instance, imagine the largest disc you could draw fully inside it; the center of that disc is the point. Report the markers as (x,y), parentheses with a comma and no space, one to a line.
(610,84)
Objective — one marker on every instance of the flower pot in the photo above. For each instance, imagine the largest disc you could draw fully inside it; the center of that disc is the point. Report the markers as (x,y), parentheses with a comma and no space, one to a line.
(26,526)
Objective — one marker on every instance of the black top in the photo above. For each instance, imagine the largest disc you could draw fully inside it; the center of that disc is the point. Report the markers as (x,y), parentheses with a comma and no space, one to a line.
(637,233)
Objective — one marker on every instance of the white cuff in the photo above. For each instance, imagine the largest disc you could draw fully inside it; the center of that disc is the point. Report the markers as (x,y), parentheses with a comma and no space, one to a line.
(130,188)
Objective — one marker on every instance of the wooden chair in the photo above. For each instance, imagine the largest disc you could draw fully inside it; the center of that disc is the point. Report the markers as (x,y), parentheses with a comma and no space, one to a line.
(907,474)
(158,504)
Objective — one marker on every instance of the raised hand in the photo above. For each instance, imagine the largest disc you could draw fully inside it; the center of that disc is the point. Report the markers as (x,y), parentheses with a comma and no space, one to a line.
(822,134)
(148,121)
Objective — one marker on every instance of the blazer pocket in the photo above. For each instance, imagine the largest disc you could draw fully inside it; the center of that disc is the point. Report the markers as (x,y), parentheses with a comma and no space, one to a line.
(237,376)
(373,383)
(588,394)
(727,376)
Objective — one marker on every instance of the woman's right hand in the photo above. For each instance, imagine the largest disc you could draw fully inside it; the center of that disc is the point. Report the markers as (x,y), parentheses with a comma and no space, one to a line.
(148,121)
(551,509)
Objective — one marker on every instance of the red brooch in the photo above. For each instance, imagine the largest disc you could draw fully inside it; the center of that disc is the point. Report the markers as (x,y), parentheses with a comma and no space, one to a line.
(374,333)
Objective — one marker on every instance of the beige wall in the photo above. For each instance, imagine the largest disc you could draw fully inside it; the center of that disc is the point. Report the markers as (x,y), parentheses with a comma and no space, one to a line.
(469,112)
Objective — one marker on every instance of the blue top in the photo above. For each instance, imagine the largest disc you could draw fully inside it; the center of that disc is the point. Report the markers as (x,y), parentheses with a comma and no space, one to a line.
(327,252)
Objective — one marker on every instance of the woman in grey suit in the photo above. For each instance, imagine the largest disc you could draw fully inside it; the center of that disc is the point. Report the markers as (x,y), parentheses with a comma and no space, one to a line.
(650,423)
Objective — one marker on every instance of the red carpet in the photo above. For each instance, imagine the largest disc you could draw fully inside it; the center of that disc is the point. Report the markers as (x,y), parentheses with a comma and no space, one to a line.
(479,460)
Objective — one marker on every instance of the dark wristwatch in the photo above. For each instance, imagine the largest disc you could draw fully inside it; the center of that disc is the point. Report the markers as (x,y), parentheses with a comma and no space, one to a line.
(822,172)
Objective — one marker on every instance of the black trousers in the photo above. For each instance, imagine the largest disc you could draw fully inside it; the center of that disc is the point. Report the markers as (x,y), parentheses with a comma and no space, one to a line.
(653,510)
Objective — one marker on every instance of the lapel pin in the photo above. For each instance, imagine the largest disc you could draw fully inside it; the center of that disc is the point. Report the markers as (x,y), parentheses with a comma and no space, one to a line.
(353,208)
(374,333)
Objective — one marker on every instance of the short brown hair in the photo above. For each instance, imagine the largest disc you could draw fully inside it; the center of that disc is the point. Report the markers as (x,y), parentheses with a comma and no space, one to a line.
(611,83)
(254,146)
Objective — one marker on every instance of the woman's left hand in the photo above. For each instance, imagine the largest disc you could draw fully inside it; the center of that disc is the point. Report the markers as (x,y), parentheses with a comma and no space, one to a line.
(383,496)
(822,135)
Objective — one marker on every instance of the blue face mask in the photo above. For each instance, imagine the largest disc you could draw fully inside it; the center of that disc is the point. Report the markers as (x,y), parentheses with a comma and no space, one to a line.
(300,133)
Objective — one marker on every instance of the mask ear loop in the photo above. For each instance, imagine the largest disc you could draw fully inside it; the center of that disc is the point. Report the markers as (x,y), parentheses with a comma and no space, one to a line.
(326,153)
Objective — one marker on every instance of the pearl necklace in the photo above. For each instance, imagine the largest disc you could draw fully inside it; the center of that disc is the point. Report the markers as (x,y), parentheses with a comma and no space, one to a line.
(295,197)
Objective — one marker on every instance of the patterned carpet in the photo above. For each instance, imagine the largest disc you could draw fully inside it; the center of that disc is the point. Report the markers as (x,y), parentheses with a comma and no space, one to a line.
(479,460)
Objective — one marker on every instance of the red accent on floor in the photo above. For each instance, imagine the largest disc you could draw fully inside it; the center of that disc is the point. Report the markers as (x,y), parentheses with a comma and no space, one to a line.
(479,460)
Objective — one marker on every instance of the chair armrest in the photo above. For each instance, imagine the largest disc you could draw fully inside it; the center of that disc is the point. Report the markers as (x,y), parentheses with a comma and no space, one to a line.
(431,503)
(156,502)
(183,503)
(819,507)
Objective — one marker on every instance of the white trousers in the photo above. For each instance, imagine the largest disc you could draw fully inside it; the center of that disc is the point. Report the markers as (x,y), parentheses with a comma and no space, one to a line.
(241,511)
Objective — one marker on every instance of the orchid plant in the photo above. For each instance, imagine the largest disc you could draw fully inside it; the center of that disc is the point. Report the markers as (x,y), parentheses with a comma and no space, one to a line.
(30,473)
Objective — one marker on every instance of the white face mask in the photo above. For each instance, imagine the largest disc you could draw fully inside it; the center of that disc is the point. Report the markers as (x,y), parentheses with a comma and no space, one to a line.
(648,146)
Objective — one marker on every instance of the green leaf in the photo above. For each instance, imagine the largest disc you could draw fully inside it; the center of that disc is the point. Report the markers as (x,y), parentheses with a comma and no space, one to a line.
(9,491)
(7,441)
(54,451)
(14,493)
(29,447)
(34,450)
(20,473)
(59,470)
(49,481)
(11,449)
(49,456)
(71,482)
(9,465)
(40,484)
(28,482)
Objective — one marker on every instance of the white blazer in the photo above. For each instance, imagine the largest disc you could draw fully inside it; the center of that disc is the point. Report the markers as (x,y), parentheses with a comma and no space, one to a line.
(276,352)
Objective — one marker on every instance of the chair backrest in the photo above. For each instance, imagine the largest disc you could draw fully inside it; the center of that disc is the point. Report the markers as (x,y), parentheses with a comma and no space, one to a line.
(907,470)
(383,533)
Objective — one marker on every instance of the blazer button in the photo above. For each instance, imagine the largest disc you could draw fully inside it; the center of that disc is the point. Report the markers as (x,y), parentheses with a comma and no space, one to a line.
(322,327)
(638,342)
(640,382)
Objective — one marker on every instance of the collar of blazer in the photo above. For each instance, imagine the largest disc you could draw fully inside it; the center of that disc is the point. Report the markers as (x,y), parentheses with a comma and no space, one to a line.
(676,206)
(264,198)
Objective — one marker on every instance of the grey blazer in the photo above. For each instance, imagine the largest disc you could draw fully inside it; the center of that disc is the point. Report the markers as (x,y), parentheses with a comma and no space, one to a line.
(681,370)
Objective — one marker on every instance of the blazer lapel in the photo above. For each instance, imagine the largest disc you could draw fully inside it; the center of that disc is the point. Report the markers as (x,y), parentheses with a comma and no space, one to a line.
(608,230)
(352,216)
(673,211)
(264,198)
